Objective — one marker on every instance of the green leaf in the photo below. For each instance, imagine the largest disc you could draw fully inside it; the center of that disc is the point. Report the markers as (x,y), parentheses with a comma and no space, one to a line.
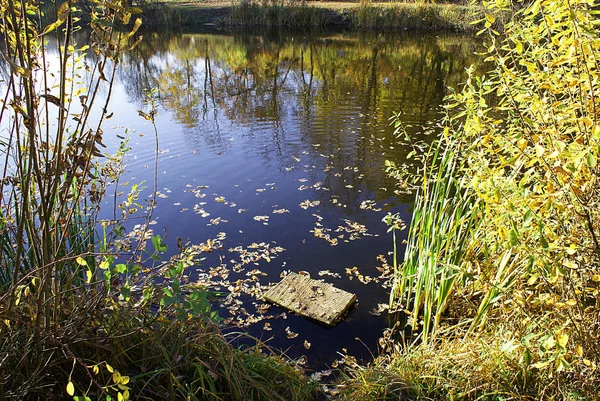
(81,261)
(135,269)
(533,279)
(126,292)
(591,160)
(562,364)
(527,218)
(121,268)
(158,244)
(549,343)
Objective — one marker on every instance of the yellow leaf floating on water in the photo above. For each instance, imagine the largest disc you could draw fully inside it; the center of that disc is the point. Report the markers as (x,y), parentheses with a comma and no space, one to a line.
(263,219)
(307,203)
(290,334)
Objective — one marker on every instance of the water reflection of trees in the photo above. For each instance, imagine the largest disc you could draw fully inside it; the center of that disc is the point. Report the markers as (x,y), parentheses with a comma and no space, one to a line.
(335,91)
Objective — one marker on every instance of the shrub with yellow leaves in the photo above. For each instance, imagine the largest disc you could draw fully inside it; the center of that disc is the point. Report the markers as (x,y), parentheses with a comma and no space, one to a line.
(523,142)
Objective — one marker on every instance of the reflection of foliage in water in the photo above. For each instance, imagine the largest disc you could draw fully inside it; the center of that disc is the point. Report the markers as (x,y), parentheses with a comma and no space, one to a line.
(339,91)
(250,69)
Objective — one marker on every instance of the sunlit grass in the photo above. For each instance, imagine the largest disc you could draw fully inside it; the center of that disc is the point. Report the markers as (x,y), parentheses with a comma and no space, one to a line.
(297,14)
(413,15)
(444,217)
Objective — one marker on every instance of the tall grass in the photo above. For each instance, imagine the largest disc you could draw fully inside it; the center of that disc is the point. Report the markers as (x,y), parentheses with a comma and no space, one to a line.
(414,15)
(445,216)
(277,13)
(304,14)
(161,358)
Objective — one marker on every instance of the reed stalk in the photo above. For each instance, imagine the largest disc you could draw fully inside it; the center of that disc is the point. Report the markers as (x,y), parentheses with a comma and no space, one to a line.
(444,216)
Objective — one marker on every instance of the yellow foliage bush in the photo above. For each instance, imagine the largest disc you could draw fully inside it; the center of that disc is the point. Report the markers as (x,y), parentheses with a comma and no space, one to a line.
(525,138)
(531,159)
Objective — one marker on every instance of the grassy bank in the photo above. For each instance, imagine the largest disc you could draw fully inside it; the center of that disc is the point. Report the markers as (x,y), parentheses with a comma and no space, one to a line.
(295,14)
(101,351)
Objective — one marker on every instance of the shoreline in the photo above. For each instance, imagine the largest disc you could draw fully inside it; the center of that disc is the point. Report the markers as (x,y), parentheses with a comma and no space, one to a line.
(338,15)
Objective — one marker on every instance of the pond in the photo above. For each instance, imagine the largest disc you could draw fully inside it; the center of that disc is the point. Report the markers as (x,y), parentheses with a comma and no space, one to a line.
(275,146)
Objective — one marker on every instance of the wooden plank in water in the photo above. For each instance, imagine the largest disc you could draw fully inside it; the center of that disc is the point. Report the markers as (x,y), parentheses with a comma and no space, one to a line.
(311,298)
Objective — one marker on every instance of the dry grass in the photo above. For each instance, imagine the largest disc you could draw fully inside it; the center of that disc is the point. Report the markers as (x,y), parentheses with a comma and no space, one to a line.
(163,357)
(363,15)
(490,366)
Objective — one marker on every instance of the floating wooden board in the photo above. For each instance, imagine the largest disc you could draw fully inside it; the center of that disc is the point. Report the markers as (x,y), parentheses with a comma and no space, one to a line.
(311,298)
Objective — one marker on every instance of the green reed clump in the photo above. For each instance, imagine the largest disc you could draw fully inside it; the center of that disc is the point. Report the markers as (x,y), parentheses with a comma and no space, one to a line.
(445,216)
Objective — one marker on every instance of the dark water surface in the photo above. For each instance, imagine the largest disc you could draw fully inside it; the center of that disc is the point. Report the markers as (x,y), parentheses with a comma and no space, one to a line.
(250,124)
